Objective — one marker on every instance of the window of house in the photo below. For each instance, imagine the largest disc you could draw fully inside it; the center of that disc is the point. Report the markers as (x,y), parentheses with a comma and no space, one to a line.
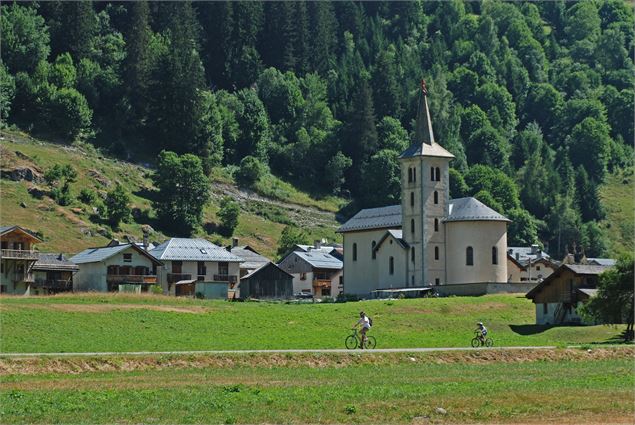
(412,281)
(5,245)
(354,252)
(432,174)
(436,224)
(537,267)
(412,254)
(436,252)
(437,173)
(372,250)
(303,276)
(436,197)
(494,255)
(391,265)
(201,269)
(437,281)
(409,175)
(545,308)
(469,256)
(223,268)
(127,258)
(412,225)
(412,199)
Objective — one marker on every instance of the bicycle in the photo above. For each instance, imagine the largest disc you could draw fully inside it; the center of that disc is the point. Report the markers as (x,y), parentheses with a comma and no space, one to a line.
(354,340)
(477,341)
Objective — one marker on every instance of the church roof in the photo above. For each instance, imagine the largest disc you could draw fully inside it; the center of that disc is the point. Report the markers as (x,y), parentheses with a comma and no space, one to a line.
(373,218)
(471,209)
(396,234)
(423,149)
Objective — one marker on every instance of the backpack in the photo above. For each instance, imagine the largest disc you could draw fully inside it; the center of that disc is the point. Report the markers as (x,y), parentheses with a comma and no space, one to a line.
(370,321)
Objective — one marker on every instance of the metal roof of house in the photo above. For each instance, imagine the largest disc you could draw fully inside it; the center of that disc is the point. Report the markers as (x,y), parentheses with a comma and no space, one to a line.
(251,259)
(94,255)
(591,292)
(320,260)
(587,268)
(187,249)
(48,261)
(578,269)
(471,209)
(262,267)
(602,261)
(373,218)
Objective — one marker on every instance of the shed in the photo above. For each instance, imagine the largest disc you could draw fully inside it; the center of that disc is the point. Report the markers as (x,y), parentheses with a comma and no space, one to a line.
(268,281)
(211,290)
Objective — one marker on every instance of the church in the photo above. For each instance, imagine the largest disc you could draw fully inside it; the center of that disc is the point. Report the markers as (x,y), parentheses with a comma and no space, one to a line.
(429,239)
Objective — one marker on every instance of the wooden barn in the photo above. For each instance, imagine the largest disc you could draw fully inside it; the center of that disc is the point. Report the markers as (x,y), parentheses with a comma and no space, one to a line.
(268,281)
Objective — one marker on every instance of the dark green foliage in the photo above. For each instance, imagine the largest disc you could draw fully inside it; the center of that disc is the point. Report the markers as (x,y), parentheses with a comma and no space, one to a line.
(250,171)
(589,146)
(290,236)
(60,177)
(502,188)
(7,93)
(228,215)
(117,206)
(25,39)
(615,300)
(523,230)
(179,209)
(458,187)
(381,180)
(87,196)
(594,241)
(335,169)
(70,113)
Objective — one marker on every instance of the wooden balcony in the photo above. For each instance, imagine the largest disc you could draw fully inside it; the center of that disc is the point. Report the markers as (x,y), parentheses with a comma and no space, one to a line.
(53,284)
(20,254)
(225,278)
(321,283)
(131,278)
(176,277)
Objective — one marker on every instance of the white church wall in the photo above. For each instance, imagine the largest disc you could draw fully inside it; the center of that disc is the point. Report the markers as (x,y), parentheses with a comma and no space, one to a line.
(399,276)
(360,276)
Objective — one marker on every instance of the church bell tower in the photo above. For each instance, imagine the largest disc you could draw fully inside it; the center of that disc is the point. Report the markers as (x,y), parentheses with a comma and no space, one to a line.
(425,192)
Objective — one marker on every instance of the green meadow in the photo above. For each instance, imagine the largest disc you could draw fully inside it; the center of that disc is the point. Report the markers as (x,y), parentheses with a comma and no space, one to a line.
(112,322)
(522,386)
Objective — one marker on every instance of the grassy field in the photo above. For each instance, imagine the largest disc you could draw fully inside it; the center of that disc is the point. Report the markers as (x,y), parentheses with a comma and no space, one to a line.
(104,322)
(618,201)
(259,225)
(553,386)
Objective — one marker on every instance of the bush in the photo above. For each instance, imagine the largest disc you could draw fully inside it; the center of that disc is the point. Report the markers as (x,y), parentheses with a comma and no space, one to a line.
(342,298)
(250,171)
(228,215)
(199,295)
(87,196)
(116,206)
(70,112)
(156,289)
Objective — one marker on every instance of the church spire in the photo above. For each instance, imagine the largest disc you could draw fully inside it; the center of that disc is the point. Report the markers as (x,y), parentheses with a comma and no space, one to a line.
(423,127)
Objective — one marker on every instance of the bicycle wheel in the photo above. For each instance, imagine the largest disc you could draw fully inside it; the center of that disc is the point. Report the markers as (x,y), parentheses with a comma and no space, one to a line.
(351,342)
(371,342)
(476,342)
(489,342)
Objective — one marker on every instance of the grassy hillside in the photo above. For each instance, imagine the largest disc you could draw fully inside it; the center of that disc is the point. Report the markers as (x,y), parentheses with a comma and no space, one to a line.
(546,386)
(618,199)
(71,229)
(160,323)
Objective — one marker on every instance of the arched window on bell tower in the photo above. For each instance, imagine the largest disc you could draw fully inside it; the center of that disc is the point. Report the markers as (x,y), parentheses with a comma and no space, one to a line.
(412,199)
(409,175)
(437,172)
(436,197)
(412,225)
(436,224)
(432,174)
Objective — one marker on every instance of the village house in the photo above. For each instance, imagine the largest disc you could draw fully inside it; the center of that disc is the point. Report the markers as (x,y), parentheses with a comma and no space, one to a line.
(314,272)
(192,266)
(528,264)
(115,267)
(267,281)
(252,260)
(335,249)
(52,274)
(18,259)
(558,297)
(429,239)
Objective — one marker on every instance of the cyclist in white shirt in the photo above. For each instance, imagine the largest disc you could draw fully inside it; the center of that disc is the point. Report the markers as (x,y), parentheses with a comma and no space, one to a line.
(364,322)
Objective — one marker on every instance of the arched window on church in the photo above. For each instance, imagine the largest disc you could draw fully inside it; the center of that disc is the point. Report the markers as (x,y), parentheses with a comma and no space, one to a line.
(437,173)
(436,224)
(436,252)
(469,256)
(414,174)
(409,175)
(412,254)
(354,252)
(494,255)
(412,199)
(412,225)
(431,173)
(372,250)
(436,197)
(391,265)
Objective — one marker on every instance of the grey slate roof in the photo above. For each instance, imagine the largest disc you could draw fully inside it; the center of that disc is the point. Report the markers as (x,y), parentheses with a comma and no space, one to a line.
(591,292)
(54,262)
(320,260)
(471,209)
(524,253)
(251,260)
(186,249)
(586,268)
(94,255)
(424,149)
(395,233)
(374,218)
(262,267)
(602,261)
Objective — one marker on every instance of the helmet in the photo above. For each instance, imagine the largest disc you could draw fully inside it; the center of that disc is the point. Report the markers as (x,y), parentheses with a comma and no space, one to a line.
(361,313)
(480,323)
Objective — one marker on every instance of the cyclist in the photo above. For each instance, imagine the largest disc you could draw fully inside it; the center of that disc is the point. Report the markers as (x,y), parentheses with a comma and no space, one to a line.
(482,332)
(364,322)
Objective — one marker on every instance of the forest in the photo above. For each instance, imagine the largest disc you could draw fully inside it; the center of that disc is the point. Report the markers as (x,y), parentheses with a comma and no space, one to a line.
(535,99)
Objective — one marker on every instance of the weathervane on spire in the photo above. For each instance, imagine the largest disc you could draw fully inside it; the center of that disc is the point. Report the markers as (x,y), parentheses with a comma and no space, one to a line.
(424,88)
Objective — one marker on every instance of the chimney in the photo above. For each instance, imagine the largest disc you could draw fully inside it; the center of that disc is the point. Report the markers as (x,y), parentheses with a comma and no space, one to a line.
(534,249)
(518,256)
(114,242)
(317,244)
(145,240)
(234,242)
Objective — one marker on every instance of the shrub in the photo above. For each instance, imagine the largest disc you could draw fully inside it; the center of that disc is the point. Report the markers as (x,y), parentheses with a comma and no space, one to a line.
(250,171)
(156,289)
(342,298)
(228,215)
(117,208)
(87,196)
